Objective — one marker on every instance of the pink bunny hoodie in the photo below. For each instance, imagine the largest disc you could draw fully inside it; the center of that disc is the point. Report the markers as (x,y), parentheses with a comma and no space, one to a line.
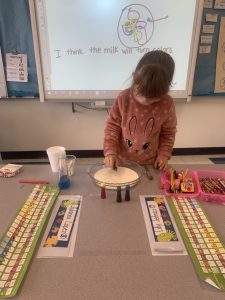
(138,132)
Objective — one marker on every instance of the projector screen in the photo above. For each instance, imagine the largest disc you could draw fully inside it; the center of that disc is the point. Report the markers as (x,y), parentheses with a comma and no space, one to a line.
(88,49)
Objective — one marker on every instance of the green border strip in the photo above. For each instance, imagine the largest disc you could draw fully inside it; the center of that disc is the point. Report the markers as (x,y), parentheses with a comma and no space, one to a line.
(22,272)
(217,278)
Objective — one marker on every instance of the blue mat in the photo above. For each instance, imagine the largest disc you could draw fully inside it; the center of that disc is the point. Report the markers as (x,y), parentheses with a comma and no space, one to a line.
(218,160)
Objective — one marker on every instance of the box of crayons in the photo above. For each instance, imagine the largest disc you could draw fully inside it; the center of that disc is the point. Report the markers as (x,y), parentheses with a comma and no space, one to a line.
(211,185)
(10,170)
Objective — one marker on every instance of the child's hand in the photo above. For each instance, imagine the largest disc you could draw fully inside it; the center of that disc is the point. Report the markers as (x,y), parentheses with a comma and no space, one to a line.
(161,163)
(110,161)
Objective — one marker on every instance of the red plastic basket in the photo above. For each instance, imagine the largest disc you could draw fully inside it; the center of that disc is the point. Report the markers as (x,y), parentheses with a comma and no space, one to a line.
(165,179)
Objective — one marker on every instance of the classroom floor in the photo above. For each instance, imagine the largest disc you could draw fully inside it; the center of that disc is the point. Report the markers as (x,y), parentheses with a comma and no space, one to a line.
(178,159)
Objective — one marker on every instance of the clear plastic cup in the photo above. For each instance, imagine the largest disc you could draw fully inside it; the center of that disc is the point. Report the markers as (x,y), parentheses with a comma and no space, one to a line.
(64,181)
(70,162)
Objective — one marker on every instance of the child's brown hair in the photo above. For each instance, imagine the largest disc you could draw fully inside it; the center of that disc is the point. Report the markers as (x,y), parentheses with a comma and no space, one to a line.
(153,74)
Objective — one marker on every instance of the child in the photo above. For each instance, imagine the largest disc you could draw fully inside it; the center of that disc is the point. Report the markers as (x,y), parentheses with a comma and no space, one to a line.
(141,126)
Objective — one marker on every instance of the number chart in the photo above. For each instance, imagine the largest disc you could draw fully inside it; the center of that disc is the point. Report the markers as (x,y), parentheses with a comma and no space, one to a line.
(19,241)
(202,241)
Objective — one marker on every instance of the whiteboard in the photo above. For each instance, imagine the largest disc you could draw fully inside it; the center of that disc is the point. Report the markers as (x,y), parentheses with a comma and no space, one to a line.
(88,49)
(16,37)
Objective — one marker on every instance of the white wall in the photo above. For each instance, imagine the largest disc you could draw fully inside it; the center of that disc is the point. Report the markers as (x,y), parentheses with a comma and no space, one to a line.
(201,123)
(27,125)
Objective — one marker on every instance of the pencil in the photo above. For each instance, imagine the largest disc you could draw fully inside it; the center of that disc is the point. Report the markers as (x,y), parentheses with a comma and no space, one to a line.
(34,181)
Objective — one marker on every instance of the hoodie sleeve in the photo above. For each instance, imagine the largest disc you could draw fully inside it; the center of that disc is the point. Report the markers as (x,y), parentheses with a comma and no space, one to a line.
(113,130)
(167,135)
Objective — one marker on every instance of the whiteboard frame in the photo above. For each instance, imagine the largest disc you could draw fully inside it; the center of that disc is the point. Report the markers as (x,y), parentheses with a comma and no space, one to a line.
(108,102)
(37,50)
(195,45)
(3,87)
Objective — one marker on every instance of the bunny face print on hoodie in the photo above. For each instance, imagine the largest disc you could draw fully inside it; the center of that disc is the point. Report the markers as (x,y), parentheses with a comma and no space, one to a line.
(138,140)
(138,132)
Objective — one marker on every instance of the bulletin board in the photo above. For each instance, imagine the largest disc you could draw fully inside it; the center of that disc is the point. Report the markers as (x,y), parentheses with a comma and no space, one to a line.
(206,65)
(16,37)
